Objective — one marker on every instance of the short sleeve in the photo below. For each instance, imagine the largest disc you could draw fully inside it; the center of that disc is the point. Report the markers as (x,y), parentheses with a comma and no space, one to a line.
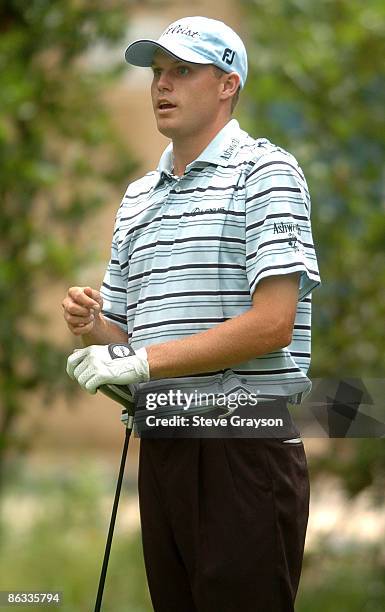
(114,288)
(278,230)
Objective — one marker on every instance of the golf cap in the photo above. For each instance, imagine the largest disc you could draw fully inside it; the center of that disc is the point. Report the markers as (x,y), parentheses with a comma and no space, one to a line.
(198,40)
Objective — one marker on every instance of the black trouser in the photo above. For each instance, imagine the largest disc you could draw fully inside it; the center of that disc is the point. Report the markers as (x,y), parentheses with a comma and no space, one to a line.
(223,523)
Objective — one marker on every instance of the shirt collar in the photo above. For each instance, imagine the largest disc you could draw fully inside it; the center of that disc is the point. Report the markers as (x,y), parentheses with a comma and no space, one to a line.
(166,162)
(223,146)
(219,151)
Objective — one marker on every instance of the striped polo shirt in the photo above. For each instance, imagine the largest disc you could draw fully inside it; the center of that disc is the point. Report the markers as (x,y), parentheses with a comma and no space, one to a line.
(188,252)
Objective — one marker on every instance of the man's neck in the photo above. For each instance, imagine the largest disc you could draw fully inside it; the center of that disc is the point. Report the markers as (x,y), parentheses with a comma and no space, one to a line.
(187,149)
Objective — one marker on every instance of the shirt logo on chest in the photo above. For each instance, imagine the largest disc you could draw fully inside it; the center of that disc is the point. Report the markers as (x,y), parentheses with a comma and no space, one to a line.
(204,211)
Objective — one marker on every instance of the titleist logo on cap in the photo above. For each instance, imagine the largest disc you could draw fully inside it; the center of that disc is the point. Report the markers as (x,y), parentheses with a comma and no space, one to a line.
(183,30)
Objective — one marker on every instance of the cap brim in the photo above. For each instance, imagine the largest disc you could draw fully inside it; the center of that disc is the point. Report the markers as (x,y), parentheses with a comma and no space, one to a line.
(141,53)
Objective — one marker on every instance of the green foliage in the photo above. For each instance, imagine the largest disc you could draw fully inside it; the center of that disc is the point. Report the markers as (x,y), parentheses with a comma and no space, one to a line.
(61,548)
(317,88)
(348,580)
(360,464)
(59,160)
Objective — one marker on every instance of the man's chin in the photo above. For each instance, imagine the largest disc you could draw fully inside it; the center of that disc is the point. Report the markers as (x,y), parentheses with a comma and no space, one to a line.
(168,128)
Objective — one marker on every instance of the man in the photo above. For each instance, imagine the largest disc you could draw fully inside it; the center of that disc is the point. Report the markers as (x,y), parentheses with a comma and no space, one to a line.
(210,278)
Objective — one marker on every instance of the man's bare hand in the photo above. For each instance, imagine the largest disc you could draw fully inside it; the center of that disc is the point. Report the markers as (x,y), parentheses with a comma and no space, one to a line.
(82,309)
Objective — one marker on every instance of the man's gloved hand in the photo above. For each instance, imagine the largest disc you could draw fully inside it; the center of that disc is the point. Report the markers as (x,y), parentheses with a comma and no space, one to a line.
(117,364)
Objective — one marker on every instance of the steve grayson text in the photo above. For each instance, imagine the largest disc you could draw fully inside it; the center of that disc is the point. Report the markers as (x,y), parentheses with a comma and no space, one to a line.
(201,421)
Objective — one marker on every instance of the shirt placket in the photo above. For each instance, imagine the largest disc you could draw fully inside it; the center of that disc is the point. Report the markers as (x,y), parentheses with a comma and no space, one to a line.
(170,208)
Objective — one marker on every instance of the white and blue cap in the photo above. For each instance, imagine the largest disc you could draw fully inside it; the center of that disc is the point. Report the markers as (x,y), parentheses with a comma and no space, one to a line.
(198,40)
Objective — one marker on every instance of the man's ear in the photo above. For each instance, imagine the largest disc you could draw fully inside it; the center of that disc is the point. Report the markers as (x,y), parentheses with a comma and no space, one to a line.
(230,85)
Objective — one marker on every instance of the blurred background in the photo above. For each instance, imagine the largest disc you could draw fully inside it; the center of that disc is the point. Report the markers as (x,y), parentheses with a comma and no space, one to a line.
(76,126)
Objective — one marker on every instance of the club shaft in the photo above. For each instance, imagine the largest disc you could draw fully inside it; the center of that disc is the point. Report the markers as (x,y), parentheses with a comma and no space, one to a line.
(103,572)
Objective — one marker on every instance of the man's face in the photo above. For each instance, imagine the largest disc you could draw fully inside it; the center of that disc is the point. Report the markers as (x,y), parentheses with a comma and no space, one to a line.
(185,96)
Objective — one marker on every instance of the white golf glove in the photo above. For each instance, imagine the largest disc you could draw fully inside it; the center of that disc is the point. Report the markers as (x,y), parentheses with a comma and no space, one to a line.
(117,364)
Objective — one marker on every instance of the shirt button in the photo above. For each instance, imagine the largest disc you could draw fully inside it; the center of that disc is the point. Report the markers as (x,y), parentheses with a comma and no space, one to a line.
(177,189)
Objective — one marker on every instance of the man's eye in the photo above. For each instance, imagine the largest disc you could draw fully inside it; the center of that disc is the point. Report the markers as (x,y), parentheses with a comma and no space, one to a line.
(183,70)
(156,72)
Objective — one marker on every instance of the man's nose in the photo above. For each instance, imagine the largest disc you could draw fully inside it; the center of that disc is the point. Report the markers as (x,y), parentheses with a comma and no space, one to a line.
(164,81)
